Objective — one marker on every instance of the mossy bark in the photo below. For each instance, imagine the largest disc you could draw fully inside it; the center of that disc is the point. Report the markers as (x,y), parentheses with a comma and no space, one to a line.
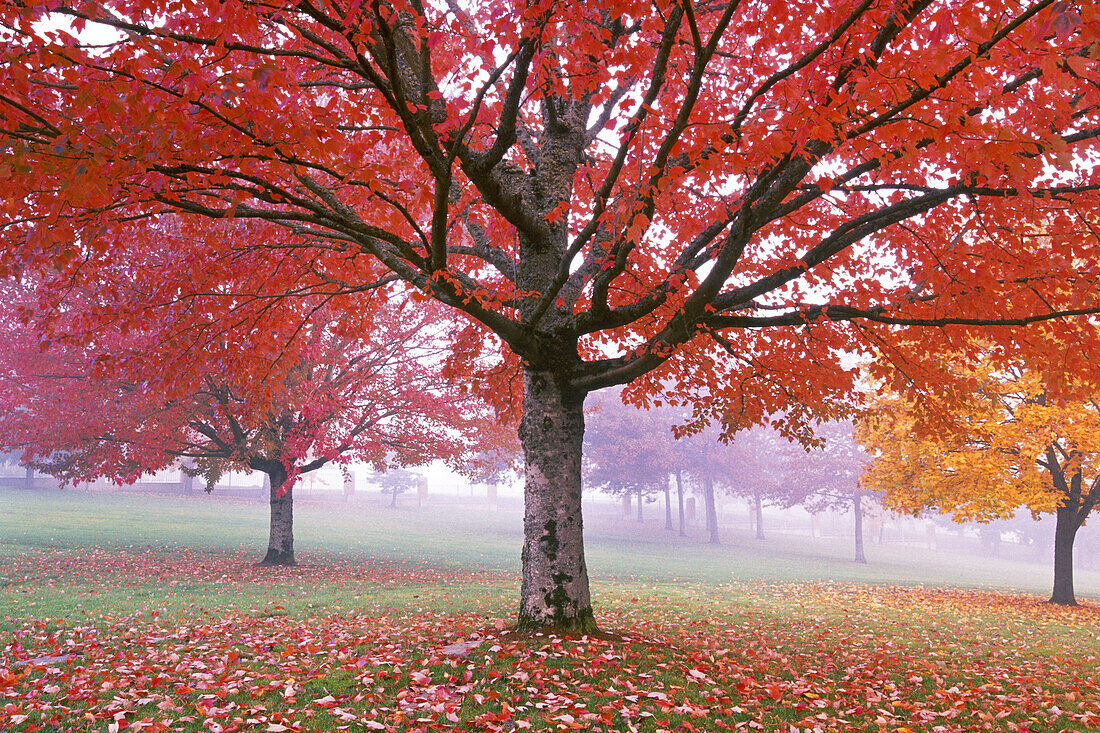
(554,593)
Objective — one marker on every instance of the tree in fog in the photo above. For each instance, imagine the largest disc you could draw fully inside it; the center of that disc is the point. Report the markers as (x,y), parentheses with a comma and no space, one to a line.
(754,468)
(629,451)
(825,475)
(1019,438)
(331,395)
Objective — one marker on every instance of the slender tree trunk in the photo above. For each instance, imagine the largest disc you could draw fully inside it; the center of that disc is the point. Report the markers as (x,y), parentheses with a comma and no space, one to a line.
(640,518)
(28,478)
(187,481)
(554,592)
(712,512)
(393,496)
(857,509)
(280,543)
(1065,531)
(668,506)
(758,507)
(680,499)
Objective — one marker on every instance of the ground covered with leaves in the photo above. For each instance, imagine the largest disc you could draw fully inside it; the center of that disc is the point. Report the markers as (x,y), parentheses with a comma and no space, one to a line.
(773,656)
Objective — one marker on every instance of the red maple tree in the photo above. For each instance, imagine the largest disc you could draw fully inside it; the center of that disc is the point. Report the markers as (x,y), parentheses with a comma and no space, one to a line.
(125,404)
(712,200)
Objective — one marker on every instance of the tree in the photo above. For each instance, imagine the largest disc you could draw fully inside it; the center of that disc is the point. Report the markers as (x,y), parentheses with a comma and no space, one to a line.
(1016,441)
(827,476)
(79,413)
(707,199)
(396,481)
(629,451)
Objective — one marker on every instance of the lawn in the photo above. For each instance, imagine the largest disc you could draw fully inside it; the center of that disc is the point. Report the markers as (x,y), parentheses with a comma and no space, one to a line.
(133,613)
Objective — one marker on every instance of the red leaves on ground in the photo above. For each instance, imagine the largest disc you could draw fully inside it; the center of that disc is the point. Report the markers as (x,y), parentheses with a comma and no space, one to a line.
(793,657)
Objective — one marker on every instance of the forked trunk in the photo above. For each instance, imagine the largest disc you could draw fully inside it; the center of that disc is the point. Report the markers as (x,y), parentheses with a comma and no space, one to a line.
(758,508)
(857,506)
(680,499)
(280,542)
(554,591)
(1065,531)
(712,511)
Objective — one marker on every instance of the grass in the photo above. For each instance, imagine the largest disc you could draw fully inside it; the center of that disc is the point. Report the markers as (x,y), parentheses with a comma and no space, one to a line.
(162,622)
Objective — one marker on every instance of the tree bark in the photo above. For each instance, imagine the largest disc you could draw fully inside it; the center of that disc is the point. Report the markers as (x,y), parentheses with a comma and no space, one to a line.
(680,499)
(857,509)
(668,506)
(554,592)
(758,508)
(712,512)
(280,543)
(640,518)
(28,478)
(393,496)
(1065,530)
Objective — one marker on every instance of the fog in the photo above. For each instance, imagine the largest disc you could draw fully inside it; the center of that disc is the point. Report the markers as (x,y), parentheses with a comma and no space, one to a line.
(448,520)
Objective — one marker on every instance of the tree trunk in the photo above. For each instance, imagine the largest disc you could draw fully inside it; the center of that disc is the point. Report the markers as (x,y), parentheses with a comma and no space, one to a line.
(712,512)
(554,592)
(640,518)
(1065,531)
(28,478)
(758,508)
(393,496)
(280,543)
(857,509)
(187,481)
(668,506)
(680,499)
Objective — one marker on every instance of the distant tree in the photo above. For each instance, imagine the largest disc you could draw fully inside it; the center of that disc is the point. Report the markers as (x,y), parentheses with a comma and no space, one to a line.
(1019,438)
(754,463)
(396,481)
(826,476)
(629,451)
(82,411)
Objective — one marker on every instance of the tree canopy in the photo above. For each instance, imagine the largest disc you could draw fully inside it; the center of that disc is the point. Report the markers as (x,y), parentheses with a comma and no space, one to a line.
(711,200)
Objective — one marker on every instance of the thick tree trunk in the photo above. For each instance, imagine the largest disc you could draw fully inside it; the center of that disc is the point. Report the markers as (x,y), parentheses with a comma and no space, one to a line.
(668,506)
(758,508)
(680,499)
(1065,531)
(640,518)
(712,512)
(554,592)
(857,509)
(280,543)
(28,479)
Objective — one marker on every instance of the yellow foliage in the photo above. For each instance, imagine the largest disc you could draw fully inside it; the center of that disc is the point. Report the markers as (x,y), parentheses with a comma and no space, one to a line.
(982,455)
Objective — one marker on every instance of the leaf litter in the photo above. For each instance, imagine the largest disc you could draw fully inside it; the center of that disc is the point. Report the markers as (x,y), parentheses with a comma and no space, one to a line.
(793,657)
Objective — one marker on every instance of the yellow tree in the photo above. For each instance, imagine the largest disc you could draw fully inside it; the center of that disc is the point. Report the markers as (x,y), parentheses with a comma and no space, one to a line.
(1017,438)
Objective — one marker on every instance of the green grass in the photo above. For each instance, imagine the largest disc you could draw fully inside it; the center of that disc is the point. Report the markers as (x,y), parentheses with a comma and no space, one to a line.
(616,547)
(172,622)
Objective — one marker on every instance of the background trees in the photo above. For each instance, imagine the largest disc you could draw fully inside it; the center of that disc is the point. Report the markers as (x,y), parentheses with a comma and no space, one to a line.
(81,411)
(1018,440)
(713,200)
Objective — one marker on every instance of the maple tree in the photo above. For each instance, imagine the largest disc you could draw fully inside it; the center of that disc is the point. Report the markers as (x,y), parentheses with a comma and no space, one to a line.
(711,200)
(1015,441)
(629,451)
(81,412)
(826,476)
